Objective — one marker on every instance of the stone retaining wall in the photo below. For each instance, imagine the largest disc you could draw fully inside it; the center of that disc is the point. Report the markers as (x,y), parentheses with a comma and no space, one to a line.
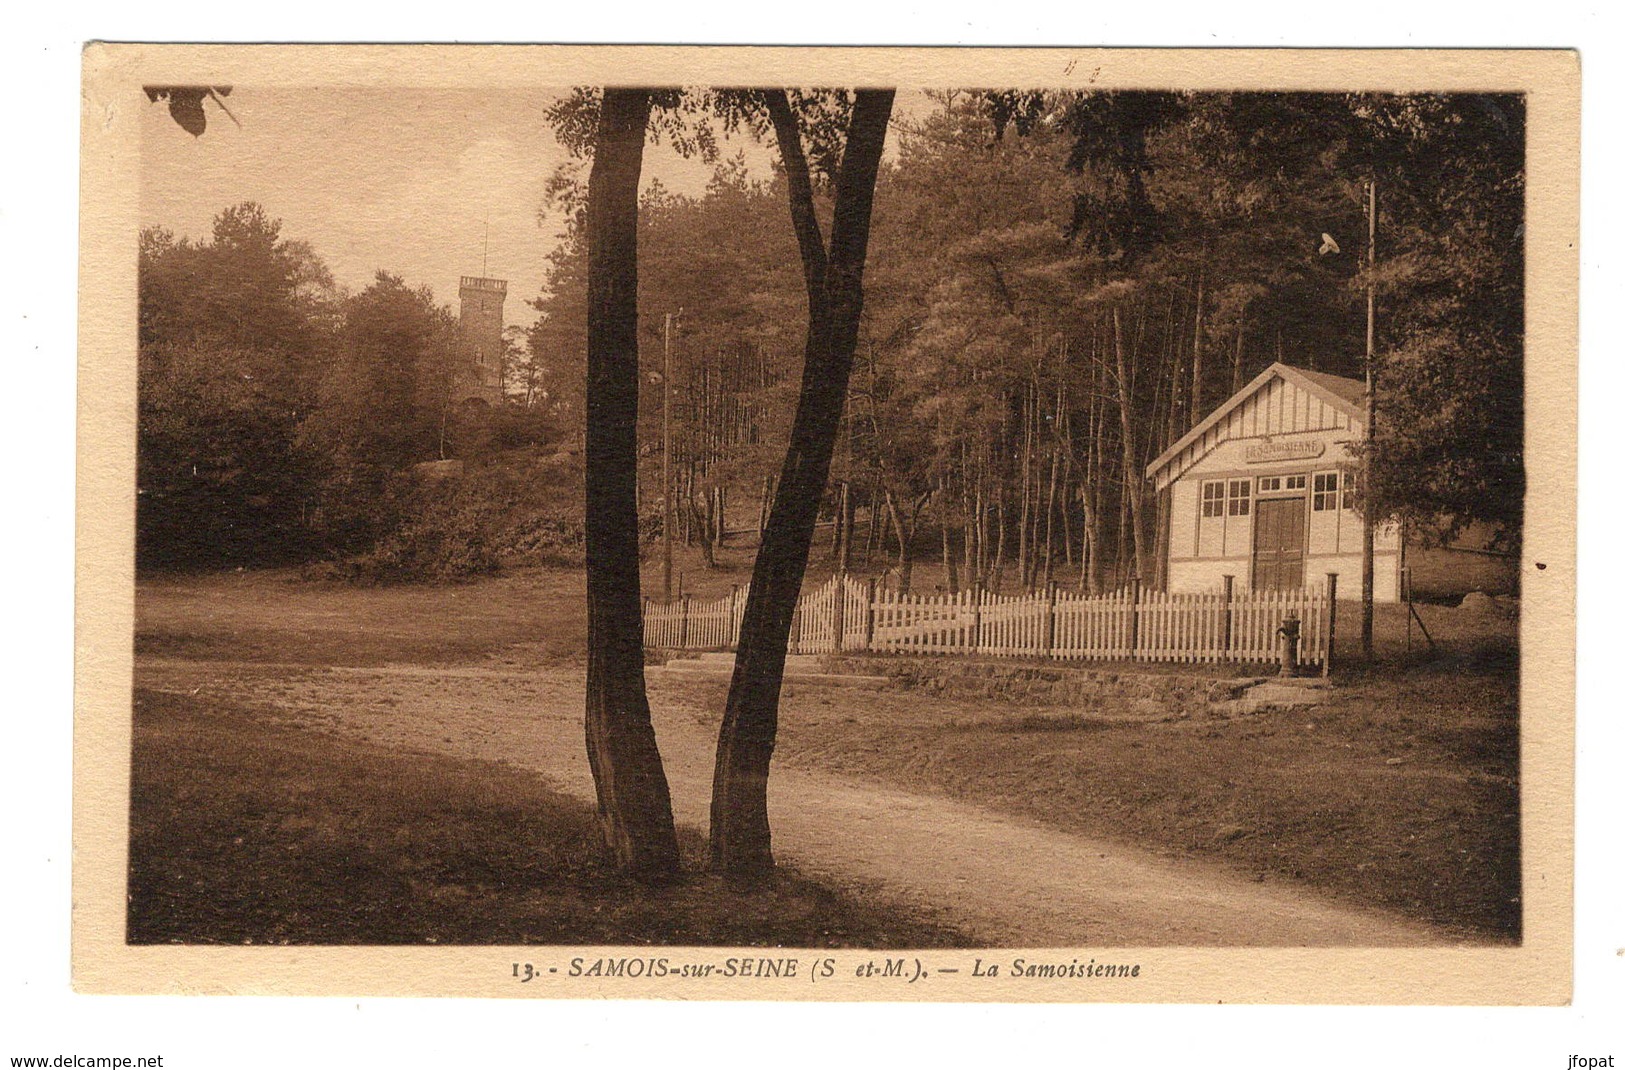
(1113,691)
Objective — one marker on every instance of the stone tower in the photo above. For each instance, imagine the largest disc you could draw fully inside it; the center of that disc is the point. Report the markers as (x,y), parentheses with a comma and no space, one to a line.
(480,325)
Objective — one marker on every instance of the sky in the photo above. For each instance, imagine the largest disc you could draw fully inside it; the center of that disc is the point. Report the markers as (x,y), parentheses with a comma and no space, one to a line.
(413,182)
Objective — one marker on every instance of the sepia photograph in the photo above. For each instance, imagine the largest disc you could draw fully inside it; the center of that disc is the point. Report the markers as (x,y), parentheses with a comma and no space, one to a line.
(1035,531)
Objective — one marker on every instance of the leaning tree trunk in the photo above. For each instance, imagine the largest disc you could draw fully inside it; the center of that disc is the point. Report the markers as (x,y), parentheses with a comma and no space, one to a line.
(634,801)
(741,841)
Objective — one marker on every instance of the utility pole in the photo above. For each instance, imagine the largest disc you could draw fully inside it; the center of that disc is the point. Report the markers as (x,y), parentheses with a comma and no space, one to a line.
(1368,541)
(669,514)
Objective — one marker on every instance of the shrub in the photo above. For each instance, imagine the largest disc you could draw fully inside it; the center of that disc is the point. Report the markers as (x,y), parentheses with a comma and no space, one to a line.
(522,507)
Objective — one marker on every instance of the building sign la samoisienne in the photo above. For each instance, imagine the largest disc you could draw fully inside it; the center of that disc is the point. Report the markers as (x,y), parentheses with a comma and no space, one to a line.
(1300,450)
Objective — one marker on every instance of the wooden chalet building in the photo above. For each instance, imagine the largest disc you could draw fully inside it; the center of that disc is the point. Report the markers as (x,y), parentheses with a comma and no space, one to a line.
(1262,491)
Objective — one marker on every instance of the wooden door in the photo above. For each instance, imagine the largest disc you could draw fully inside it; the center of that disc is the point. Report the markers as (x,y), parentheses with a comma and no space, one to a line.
(1278,537)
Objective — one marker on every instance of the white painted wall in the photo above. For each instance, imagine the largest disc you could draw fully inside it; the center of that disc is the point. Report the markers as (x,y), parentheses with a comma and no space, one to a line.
(1204,576)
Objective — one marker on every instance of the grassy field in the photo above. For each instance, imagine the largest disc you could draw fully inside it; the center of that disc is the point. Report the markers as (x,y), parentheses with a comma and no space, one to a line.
(1401,792)
(275,616)
(243,832)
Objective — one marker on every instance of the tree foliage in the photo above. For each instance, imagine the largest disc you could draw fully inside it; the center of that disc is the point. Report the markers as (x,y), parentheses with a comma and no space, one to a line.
(186,104)
(1449,443)
(1014,232)
(232,345)
(277,415)
(1009,228)
(392,395)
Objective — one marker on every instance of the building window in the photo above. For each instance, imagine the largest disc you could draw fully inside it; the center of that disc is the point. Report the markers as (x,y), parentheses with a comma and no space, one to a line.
(1348,490)
(1213,498)
(1325,491)
(1276,484)
(1240,500)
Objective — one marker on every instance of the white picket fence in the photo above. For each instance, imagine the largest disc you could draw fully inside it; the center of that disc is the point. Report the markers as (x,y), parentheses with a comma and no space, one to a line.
(848,615)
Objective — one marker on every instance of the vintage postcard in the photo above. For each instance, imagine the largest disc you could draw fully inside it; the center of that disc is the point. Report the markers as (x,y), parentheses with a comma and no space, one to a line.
(827,524)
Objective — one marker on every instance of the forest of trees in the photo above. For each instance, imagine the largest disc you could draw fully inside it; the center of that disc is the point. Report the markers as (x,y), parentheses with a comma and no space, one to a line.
(277,413)
(1058,286)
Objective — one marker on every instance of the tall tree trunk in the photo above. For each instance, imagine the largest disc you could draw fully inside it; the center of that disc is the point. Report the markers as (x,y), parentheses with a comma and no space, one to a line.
(685,479)
(1124,540)
(1133,478)
(634,801)
(1094,564)
(700,520)
(1165,433)
(949,565)
(1066,479)
(1235,358)
(1171,377)
(979,525)
(1196,412)
(837,516)
(904,534)
(974,528)
(741,840)
(967,513)
(1172,426)
(1159,553)
(872,534)
(1001,525)
(1165,518)
(1022,560)
(1049,504)
(844,562)
(1094,573)
(1093,529)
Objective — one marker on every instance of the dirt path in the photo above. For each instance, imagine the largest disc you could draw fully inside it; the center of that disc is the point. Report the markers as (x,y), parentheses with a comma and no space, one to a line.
(1006,882)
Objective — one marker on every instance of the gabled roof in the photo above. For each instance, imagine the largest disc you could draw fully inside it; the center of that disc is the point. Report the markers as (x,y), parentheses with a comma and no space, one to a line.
(1346,395)
(1350,390)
